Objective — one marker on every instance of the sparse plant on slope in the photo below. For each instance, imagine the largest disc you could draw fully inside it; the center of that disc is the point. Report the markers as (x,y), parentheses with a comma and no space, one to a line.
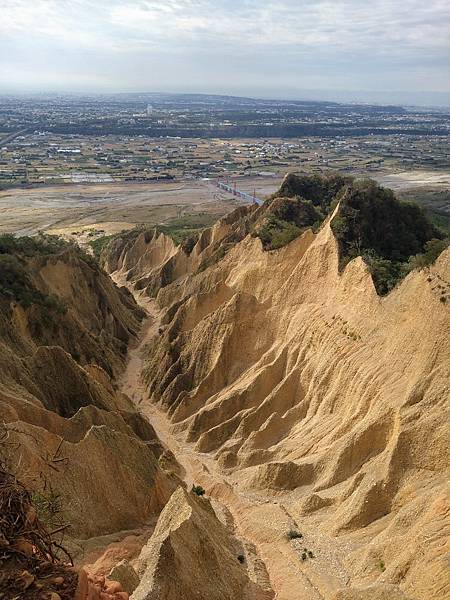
(433,249)
(198,490)
(98,244)
(16,285)
(49,510)
(294,534)
(393,237)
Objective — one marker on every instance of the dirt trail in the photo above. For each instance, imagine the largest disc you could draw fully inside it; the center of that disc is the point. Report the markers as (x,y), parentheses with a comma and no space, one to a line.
(262,525)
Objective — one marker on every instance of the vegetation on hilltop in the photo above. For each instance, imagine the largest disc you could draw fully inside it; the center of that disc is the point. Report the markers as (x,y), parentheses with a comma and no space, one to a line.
(30,246)
(370,218)
(393,237)
(300,203)
(321,190)
(16,283)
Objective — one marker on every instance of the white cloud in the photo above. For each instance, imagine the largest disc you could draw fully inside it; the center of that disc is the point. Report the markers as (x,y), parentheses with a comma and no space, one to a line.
(198,36)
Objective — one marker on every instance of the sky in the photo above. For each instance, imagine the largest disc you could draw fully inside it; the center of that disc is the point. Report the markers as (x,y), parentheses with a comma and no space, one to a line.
(370,50)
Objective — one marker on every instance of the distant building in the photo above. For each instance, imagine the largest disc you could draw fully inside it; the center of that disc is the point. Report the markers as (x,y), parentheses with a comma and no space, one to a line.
(149,110)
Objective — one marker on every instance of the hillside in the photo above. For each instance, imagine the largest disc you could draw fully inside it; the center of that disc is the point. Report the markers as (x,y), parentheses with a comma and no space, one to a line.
(66,430)
(65,328)
(83,474)
(303,351)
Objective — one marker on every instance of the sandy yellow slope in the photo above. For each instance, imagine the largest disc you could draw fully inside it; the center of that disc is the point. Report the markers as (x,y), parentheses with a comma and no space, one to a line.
(312,391)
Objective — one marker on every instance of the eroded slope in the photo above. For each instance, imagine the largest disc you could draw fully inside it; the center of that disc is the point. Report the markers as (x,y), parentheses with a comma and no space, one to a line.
(67,432)
(308,386)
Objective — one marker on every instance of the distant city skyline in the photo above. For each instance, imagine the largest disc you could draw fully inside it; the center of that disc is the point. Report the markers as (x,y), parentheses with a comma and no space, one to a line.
(347,50)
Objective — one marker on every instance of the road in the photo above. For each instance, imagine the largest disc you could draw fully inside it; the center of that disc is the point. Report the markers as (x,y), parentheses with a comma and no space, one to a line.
(11,137)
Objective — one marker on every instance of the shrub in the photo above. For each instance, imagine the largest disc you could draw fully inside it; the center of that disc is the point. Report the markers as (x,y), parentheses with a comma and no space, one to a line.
(76,355)
(198,490)
(293,534)
(55,303)
(432,250)
(98,244)
(30,246)
(385,273)
(276,233)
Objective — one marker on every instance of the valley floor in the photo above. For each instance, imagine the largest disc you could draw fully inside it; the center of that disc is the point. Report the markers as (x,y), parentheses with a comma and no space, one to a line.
(261,524)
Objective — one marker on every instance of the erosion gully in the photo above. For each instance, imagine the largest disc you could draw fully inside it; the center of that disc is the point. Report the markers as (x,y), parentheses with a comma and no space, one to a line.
(261,524)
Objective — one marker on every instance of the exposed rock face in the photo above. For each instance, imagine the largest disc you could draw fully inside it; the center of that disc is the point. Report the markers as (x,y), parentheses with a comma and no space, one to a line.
(124,573)
(68,430)
(192,555)
(302,379)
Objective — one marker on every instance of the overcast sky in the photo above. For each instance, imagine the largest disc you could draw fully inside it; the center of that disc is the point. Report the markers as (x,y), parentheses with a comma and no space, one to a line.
(386,50)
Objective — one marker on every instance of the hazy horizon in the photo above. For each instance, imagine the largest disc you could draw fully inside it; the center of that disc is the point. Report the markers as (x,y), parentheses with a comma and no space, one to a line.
(432,100)
(387,52)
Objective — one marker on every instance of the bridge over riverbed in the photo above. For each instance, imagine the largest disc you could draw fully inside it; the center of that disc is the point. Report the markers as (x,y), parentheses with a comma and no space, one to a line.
(232,189)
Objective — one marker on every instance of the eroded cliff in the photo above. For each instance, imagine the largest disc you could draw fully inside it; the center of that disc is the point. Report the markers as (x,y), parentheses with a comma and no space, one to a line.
(310,390)
(68,433)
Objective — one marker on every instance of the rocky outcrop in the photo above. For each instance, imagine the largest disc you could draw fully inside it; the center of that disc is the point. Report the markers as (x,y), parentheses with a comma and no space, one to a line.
(191,554)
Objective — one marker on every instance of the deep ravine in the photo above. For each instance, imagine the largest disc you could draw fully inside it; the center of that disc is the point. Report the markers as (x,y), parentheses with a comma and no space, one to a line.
(261,524)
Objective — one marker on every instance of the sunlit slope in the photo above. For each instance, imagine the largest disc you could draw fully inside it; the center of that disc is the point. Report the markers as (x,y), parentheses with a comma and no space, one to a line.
(305,383)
